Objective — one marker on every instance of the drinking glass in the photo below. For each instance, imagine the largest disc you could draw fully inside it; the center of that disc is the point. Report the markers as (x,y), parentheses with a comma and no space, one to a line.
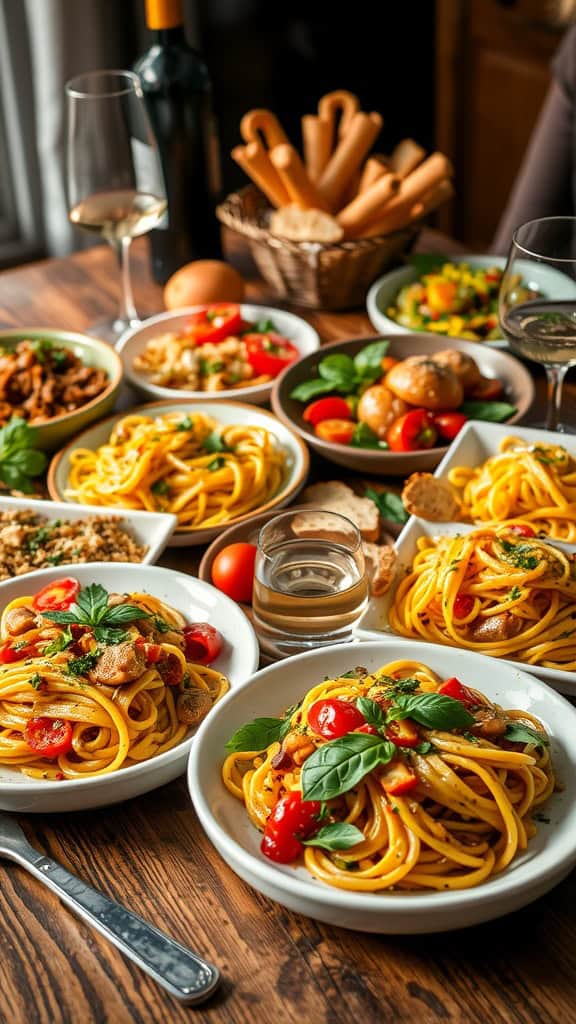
(310,585)
(537,302)
(115,183)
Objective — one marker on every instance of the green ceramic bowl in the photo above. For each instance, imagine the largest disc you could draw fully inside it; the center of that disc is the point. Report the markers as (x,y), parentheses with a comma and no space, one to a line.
(91,352)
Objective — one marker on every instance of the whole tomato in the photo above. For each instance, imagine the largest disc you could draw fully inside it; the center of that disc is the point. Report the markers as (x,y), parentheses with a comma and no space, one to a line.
(233,571)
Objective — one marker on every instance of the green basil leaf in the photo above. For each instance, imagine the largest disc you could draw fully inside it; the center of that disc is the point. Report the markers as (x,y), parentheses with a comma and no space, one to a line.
(364,437)
(214,443)
(63,617)
(14,479)
(425,748)
(338,367)
(262,327)
(17,434)
(338,766)
(92,603)
(311,388)
(492,412)
(372,711)
(432,710)
(122,613)
(389,505)
(339,835)
(368,361)
(256,735)
(426,262)
(518,733)
(105,635)
(28,460)
(185,424)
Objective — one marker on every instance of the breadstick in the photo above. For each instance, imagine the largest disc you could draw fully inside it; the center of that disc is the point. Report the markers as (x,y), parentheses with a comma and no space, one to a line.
(257,123)
(295,179)
(317,144)
(407,215)
(432,200)
(365,207)
(412,189)
(406,157)
(254,160)
(340,101)
(375,166)
(348,157)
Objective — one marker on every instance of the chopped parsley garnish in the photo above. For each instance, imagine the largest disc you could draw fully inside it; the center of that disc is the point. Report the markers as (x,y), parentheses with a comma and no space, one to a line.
(520,555)
(56,559)
(515,594)
(35,681)
(161,626)
(60,643)
(83,664)
(216,463)
(160,487)
(214,443)
(185,424)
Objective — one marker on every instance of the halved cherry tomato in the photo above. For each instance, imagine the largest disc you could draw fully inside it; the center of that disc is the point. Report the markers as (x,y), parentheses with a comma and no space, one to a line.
(487,390)
(332,718)
(522,530)
(57,596)
(11,651)
(448,424)
(292,819)
(202,643)
(152,652)
(48,736)
(269,353)
(335,431)
(233,571)
(454,688)
(412,431)
(398,778)
(463,605)
(215,323)
(403,733)
(327,409)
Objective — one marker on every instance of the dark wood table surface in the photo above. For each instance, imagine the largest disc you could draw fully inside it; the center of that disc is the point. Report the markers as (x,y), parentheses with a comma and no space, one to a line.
(151,855)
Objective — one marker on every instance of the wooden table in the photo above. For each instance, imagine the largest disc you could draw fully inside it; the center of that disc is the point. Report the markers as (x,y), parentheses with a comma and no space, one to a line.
(151,855)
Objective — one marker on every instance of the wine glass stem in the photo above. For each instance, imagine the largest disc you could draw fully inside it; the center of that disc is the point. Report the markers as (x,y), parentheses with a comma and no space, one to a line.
(127,311)
(555,378)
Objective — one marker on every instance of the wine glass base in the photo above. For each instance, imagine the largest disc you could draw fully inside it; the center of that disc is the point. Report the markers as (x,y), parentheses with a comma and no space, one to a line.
(111,330)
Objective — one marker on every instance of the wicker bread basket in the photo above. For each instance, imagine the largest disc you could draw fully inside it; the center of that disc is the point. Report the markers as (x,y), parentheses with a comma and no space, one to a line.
(313,274)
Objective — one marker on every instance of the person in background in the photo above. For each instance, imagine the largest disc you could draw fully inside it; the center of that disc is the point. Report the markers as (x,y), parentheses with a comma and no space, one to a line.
(546,182)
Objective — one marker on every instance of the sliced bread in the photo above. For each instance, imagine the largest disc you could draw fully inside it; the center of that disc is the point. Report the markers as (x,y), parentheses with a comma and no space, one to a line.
(335,496)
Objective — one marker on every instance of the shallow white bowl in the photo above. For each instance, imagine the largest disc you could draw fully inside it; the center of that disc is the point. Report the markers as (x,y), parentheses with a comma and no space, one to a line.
(133,342)
(548,859)
(152,529)
(384,291)
(297,457)
(199,602)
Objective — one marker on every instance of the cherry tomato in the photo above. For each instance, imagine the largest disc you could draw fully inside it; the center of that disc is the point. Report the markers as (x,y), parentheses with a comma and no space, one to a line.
(332,718)
(335,431)
(370,730)
(11,651)
(398,778)
(403,733)
(57,596)
(487,390)
(48,736)
(448,424)
(215,323)
(412,431)
(522,530)
(269,353)
(327,409)
(454,688)
(233,571)
(292,819)
(463,605)
(202,643)
(152,652)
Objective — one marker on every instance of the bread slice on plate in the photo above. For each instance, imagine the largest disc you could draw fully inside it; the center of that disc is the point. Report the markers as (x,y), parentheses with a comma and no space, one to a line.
(380,566)
(335,496)
(429,498)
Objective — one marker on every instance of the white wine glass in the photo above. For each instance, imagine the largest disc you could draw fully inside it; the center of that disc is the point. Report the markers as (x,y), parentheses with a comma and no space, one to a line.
(115,183)
(537,303)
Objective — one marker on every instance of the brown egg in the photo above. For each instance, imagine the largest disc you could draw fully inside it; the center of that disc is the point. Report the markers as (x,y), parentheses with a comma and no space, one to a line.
(203,281)
(378,408)
(426,384)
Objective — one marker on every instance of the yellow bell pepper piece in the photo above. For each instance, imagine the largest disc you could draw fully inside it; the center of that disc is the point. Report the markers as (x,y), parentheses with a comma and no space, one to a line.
(441,294)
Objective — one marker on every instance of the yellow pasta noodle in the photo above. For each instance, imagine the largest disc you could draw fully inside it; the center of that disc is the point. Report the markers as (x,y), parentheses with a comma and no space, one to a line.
(189,465)
(448,811)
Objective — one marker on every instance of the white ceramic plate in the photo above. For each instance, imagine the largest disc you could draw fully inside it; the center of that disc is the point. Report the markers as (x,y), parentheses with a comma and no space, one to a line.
(384,291)
(133,342)
(152,529)
(549,857)
(297,457)
(199,602)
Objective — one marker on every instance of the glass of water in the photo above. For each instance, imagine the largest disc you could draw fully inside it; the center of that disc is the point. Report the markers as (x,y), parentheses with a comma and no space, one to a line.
(310,586)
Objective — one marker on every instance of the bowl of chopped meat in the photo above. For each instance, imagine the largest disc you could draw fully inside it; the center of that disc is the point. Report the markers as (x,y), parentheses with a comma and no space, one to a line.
(57,381)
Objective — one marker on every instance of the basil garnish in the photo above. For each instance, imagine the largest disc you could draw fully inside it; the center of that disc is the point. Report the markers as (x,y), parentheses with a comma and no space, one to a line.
(432,710)
(338,766)
(517,733)
(339,835)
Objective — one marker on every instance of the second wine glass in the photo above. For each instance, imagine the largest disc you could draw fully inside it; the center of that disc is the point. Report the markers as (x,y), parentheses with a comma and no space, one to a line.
(115,183)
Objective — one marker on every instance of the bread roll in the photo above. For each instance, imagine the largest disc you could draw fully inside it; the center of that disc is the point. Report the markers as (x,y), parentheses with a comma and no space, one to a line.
(463,366)
(379,407)
(423,383)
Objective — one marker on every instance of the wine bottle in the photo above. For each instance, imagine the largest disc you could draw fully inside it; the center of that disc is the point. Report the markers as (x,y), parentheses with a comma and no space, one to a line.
(178,95)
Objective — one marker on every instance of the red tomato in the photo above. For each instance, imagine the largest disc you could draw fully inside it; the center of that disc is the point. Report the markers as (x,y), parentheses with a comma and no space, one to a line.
(403,733)
(152,652)
(454,688)
(397,778)
(448,424)
(269,353)
(215,323)
(57,596)
(370,730)
(463,605)
(9,652)
(522,530)
(292,819)
(332,718)
(327,409)
(202,643)
(487,390)
(233,571)
(412,431)
(336,431)
(48,736)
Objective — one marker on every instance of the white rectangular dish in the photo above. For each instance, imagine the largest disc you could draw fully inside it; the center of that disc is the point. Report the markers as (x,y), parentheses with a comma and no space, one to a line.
(150,529)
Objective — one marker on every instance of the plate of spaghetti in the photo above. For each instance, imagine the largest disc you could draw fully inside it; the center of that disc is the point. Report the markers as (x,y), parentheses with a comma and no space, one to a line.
(209,465)
(403,794)
(105,673)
